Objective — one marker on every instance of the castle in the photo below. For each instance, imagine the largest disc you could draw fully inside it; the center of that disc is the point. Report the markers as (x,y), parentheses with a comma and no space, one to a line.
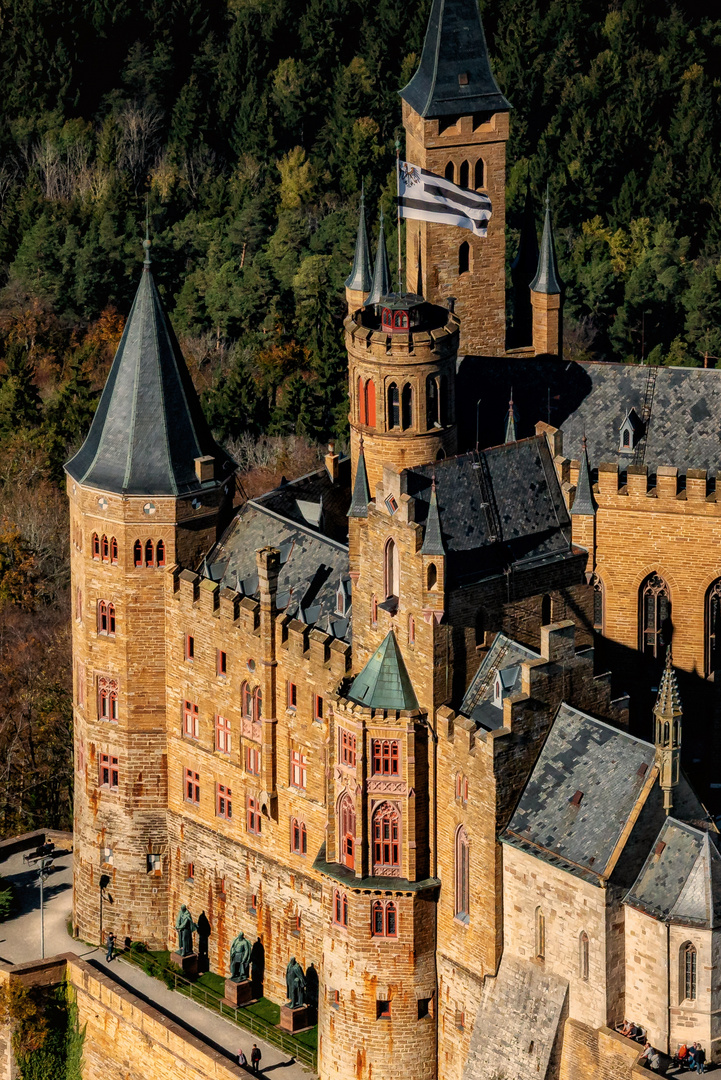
(362,718)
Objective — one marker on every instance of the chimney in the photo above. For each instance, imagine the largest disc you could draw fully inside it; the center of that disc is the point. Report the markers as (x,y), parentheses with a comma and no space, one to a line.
(205,468)
(331,462)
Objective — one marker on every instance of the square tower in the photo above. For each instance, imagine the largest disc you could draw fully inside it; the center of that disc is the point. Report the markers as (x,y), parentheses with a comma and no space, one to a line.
(456,122)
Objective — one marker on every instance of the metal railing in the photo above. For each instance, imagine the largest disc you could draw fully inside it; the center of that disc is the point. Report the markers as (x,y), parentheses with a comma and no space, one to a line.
(256,1025)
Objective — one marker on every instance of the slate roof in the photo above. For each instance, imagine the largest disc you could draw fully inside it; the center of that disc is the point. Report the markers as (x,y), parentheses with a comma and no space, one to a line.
(502,507)
(312,566)
(594,398)
(582,757)
(454,49)
(432,538)
(384,682)
(504,656)
(314,501)
(359,278)
(584,502)
(381,284)
(681,879)
(547,279)
(361,491)
(149,426)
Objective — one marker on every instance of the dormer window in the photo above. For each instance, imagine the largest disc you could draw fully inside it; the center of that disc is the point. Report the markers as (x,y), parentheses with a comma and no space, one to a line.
(342,599)
(629,432)
(498,692)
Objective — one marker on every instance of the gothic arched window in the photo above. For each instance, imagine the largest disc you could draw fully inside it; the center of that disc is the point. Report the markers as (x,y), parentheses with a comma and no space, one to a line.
(463,888)
(713,627)
(433,417)
(545,610)
(160,552)
(370,403)
(346,831)
(386,836)
(654,616)
(463,175)
(257,703)
(464,258)
(479,177)
(394,406)
(431,576)
(687,973)
(102,617)
(407,407)
(450,171)
(246,701)
(391,569)
(149,553)
(96,546)
(105,549)
(114,550)
(583,956)
(540,935)
(137,553)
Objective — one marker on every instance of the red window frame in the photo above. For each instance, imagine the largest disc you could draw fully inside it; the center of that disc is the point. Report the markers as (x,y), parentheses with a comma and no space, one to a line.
(222,734)
(102,617)
(292,695)
(254,820)
(192,786)
(346,748)
(347,828)
(340,908)
(246,701)
(385,754)
(149,553)
(252,760)
(191,720)
(105,548)
(257,704)
(138,553)
(113,549)
(108,699)
(109,772)
(223,803)
(111,620)
(298,769)
(96,546)
(160,553)
(387,836)
(318,708)
(191,871)
(384,918)
(298,837)
(221,663)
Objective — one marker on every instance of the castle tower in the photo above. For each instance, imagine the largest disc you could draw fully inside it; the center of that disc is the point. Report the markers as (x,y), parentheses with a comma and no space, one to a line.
(583,511)
(667,714)
(402,364)
(378,989)
(546,290)
(148,487)
(456,122)
(358,282)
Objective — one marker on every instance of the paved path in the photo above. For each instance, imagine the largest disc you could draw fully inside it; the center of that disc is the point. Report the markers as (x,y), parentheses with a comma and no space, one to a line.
(20,941)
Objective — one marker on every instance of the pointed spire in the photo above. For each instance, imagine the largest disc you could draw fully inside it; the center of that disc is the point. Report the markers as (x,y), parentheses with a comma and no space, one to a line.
(359,279)
(667,732)
(547,279)
(381,285)
(584,502)
(668,702)
(146,241)
(433,538)
(149,427)
(361,491)
(454,76)
(384,682)
(511,421)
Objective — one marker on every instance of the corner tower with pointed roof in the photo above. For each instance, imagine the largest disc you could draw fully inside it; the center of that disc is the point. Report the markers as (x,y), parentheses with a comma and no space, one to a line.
(148,488)
(456,122)
(546,295)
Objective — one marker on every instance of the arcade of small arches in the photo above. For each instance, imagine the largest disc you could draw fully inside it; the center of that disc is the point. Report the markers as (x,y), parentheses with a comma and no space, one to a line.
(149,553)
(402,412)
(461,174)
(655,626)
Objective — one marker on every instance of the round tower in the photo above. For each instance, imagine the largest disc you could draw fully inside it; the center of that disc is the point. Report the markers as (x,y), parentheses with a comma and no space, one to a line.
(149,487)
(402,363)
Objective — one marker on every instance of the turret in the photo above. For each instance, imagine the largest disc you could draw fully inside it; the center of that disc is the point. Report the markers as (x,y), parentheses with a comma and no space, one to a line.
(358,282)
(583,511)
(546,289)
(381,283)
(667,714)
(148,488)
(402,362)
(456,122)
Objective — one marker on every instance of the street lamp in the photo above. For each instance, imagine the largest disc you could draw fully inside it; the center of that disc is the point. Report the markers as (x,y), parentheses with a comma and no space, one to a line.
(104,882)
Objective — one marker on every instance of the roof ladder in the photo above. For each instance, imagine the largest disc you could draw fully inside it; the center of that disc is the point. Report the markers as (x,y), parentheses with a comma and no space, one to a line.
(493,524)
(489,676)
(640,449)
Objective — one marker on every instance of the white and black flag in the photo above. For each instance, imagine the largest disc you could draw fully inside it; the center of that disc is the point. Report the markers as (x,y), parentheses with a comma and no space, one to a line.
(426,197)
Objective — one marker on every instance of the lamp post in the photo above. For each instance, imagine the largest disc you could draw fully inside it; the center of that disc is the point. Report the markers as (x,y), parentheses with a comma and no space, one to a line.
(104,882)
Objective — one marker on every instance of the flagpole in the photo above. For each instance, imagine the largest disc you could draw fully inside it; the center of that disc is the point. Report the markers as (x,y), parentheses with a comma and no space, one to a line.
(398,212)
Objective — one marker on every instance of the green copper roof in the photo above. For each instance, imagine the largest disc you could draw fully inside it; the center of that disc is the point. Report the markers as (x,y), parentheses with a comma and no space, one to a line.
(384,683)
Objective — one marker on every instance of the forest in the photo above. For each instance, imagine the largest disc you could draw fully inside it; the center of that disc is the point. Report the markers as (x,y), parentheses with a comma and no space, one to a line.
(244,129)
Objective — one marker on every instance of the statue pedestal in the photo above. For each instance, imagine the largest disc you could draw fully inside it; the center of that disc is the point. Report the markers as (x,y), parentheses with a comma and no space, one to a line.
(188,964)
(203,963)
(238,994)
(300,1019)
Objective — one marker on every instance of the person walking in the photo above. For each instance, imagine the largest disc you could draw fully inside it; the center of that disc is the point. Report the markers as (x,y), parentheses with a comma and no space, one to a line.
(242,1059)
(111,946)
(255,1056)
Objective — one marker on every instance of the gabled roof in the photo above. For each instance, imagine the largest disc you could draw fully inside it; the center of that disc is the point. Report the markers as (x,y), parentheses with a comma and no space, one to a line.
(681,879)
(359,278)
(149,426)
(384,682)
(588,785)
(454,76)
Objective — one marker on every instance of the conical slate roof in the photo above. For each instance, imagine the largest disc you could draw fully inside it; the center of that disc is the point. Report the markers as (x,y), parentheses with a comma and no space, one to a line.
(454,75)
(584,502)
(360,276)
(668,702)
(149,426)
(547,279)
(432,538)
(361,491)
(381,285)
(384,683)
(511,423)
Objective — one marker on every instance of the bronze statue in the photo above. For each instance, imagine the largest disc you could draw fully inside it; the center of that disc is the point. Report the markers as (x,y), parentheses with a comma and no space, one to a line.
(185,928)
(239,958)
(295,984)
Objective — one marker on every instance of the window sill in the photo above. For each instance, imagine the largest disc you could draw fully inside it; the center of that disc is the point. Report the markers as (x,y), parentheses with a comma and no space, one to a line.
(462,918)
